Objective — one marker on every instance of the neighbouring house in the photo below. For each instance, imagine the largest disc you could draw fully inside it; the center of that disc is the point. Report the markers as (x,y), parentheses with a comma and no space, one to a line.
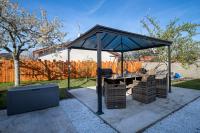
(146,58)
(60,52)
(8,56)
(5,56)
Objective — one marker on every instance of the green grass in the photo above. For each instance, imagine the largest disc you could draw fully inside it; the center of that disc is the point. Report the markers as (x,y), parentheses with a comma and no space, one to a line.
(74,83)
(190,84)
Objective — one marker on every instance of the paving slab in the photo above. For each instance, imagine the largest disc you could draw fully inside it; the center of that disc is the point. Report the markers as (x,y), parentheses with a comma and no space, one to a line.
(137,116)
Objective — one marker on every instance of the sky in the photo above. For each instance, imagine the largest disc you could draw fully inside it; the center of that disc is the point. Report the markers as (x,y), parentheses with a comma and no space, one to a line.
(121,14)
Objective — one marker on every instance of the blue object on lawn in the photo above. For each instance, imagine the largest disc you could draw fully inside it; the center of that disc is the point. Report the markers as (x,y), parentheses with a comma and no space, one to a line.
(177,76)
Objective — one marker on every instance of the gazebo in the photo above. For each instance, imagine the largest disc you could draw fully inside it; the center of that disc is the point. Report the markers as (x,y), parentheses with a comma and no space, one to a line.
(101,38)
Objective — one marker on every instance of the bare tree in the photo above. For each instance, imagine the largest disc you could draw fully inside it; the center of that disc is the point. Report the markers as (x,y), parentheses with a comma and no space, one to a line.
(21,31)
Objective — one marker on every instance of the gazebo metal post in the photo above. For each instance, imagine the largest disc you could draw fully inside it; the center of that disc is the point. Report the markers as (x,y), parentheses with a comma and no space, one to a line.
(169,68)
(99,75)
(122,63)
(69,50)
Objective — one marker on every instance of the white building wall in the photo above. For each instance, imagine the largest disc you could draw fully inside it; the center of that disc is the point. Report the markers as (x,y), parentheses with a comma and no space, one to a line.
(77,55)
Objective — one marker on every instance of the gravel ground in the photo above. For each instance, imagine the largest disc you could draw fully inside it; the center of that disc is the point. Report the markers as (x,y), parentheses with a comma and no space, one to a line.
(83,119)
(69,117)
(186,120)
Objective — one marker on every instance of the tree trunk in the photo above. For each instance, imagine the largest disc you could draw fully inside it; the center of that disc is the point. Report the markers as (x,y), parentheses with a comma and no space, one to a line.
(17,71)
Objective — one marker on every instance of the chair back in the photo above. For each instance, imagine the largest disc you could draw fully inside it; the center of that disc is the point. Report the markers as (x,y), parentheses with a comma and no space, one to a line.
(107,72)
(148,77)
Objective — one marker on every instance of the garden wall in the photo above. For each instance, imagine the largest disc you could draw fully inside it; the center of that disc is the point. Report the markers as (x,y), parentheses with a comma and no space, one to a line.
(32,70)
(192,71)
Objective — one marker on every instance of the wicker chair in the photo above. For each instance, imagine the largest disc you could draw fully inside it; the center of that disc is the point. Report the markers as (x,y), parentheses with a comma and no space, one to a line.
(161,87)
(115,95)
(145,90)
(106,73)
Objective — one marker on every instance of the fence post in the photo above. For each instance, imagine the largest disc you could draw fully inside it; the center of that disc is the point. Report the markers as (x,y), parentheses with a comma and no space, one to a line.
(69,50)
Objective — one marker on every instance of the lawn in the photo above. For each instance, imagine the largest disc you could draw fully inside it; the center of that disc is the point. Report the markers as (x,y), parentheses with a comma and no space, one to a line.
(190,84)
(79,83)
(75,83)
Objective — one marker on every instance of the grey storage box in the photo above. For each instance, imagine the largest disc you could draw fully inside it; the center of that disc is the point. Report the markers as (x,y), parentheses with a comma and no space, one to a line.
(29,98)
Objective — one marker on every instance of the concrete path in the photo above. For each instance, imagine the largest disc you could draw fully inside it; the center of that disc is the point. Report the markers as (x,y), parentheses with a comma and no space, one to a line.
(137,116)
(186,120)
(69,117)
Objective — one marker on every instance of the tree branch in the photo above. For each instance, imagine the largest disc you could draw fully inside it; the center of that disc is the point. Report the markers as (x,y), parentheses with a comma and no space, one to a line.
(8,49)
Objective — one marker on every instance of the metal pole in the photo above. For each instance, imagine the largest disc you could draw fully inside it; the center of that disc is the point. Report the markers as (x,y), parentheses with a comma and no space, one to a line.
(122,63)
(69,50)
(169,69)
(99,76)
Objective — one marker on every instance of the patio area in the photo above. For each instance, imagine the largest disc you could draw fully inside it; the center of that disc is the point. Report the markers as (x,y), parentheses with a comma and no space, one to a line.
(137,116)
(78,115)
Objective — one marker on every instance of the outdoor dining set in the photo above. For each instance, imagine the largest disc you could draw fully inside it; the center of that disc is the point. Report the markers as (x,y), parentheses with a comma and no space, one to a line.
(144,88)
(101,38)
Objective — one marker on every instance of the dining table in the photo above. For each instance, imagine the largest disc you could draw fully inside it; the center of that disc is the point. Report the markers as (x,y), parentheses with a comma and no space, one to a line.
(127,79)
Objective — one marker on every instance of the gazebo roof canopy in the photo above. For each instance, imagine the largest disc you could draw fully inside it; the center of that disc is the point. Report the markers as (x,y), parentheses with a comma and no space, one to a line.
(115,40)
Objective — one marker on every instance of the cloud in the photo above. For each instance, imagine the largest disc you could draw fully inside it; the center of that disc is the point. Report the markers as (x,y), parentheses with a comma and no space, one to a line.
(96,7)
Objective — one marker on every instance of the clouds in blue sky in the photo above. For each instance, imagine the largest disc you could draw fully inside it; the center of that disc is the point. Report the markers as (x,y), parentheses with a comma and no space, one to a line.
(122,14)
(97,6)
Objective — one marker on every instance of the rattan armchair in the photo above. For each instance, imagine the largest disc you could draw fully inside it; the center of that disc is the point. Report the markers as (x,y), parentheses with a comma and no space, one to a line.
(161,87)
(145,90)
(115,95)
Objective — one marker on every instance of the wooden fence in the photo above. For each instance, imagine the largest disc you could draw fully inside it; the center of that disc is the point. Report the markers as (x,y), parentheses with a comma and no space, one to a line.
(32,70)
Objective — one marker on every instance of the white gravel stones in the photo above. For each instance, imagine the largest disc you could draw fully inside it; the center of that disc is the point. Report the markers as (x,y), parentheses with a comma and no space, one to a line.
(69,117)
(83,119)
(186,120)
